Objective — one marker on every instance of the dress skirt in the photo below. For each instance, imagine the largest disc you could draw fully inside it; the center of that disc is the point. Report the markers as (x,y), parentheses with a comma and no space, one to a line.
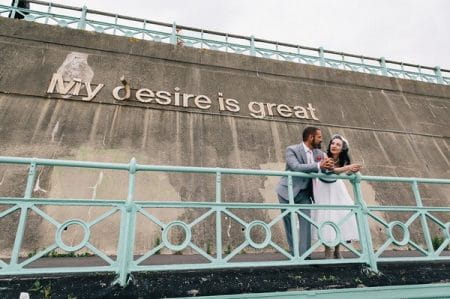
(333,193)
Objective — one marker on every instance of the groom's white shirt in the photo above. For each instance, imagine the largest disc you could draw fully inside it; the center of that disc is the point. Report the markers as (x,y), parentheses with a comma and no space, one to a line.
(309,155)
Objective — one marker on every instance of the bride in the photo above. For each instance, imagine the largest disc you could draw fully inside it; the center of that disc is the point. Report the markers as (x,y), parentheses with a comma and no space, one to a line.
(334,192)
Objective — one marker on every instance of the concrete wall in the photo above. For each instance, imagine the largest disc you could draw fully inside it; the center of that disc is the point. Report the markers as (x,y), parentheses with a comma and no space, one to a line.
(395,128)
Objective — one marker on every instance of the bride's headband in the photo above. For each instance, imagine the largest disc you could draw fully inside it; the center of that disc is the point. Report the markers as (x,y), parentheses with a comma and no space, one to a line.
(345,144)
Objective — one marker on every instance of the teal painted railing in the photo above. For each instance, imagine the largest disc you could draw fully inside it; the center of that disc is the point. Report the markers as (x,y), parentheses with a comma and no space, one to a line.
(129,209)
(420,291)
(87,19)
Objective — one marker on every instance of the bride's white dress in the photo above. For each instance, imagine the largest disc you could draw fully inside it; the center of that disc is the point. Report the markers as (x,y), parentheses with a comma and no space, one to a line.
(334,193)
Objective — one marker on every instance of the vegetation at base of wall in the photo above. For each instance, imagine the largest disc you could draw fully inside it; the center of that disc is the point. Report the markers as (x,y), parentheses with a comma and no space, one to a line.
(437,242)
(157,242)
(54,253)
(46,291)
(228,250)
(329,278)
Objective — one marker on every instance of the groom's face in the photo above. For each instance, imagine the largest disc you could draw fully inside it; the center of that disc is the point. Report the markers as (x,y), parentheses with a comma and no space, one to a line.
(317,140)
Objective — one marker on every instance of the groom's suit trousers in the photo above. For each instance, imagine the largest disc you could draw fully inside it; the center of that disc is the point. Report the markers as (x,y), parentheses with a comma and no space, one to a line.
(303,197)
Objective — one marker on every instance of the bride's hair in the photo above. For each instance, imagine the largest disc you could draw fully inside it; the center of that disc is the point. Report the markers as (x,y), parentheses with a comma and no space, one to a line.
(344,157)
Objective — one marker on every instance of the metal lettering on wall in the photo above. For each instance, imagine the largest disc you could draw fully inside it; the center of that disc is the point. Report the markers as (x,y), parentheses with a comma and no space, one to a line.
(180,99)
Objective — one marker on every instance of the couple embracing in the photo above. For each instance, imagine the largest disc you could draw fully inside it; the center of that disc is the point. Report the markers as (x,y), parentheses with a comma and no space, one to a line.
(307,157)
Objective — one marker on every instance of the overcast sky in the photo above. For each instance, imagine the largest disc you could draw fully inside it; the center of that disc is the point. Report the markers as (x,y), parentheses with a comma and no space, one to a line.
(414,31)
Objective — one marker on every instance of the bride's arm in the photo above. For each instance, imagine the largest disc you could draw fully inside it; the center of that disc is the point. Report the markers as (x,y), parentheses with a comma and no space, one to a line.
(342,169)
(348,168)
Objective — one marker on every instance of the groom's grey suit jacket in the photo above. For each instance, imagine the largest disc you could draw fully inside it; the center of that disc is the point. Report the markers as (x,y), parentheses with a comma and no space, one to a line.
(297,161)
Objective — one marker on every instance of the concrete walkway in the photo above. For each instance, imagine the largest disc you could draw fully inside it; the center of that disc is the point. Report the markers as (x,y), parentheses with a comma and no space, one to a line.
(174,259)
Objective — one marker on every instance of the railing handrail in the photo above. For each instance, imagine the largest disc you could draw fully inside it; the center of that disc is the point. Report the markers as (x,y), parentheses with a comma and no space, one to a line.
(209,170)
(98,12)
(380,65)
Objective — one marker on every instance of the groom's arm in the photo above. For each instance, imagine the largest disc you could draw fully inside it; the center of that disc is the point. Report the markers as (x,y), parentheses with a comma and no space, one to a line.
(295,165)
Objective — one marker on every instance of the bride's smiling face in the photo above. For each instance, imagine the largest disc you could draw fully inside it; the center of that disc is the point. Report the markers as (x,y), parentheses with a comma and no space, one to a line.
(336,146)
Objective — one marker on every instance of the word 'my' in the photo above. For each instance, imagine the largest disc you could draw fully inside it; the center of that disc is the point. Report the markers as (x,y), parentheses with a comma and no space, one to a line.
(73,87)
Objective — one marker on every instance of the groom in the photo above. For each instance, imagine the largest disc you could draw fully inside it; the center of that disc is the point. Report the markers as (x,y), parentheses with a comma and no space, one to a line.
(304,157)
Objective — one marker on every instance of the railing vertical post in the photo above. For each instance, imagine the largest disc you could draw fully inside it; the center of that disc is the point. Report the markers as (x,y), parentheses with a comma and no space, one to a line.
(226,43)
(420,73)
(48,12)
(82,21)
(363,224)
(384,71)
(403,70)
(218,217)
(294,232)
(144,27)
(201,39)
(173,35)
(115,24)
(438,73)
(15,5)
(276,49)
(127,229)
(321,56)
(252,46)
(423,218)
(23,215)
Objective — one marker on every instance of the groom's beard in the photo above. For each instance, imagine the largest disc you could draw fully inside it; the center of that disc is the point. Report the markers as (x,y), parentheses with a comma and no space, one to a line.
(317,145)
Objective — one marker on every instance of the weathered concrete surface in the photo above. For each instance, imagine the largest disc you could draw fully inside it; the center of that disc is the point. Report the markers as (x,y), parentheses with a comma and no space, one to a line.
(395,127)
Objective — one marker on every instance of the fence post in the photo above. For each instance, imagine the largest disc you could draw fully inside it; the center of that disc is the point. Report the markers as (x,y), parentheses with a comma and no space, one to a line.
(294,217)
(321,56)
(423,218)
(23,215)
(383,66)
(438,73)
(173,35)
(13,12)
(82,21)
(218,217)
(363,224)
(127,229)
(252,46)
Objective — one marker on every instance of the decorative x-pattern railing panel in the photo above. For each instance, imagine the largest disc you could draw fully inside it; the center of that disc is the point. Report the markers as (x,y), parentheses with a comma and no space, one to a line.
(128,210)
(18,265)
(83,18)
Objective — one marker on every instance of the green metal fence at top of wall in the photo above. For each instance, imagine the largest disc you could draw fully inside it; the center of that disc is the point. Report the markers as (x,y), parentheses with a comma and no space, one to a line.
(123,261)
(87,19)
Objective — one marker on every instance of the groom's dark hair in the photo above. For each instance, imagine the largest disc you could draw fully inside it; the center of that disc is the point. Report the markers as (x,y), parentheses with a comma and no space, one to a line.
(308,131)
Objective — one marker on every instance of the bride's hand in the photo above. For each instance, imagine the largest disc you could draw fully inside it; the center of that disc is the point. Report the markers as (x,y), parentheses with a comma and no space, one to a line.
(355,167)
